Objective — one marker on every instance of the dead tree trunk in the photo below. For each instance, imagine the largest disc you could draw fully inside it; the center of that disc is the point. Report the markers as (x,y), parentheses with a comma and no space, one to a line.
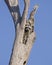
(24,29)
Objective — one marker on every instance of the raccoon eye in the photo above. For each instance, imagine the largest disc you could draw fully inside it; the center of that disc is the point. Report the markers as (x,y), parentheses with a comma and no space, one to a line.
(32,28)
(26,29)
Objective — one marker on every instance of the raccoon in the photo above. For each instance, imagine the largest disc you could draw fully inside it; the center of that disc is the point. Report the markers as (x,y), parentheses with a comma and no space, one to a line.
(29,28)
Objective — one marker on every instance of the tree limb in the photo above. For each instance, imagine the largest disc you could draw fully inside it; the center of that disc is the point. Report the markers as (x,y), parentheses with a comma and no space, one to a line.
(24,38)
(25,12)
(14,9)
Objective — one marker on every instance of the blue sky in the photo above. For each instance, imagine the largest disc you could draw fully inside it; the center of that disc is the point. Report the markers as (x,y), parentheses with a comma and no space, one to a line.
(41,53)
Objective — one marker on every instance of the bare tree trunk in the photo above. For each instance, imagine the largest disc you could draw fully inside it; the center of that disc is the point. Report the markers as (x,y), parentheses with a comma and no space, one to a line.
(24,29)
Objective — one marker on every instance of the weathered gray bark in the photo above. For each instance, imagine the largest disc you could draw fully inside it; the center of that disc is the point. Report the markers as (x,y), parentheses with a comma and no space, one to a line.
(24,29)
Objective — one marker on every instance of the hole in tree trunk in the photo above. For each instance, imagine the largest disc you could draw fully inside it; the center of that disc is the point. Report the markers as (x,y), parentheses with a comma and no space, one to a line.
(24,63)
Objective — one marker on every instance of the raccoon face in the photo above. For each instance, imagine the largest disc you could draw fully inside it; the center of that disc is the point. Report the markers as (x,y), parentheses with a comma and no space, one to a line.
(29,27)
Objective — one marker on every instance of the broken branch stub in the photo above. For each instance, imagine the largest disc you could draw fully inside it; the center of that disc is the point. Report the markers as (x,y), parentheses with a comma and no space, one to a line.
(25,34)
